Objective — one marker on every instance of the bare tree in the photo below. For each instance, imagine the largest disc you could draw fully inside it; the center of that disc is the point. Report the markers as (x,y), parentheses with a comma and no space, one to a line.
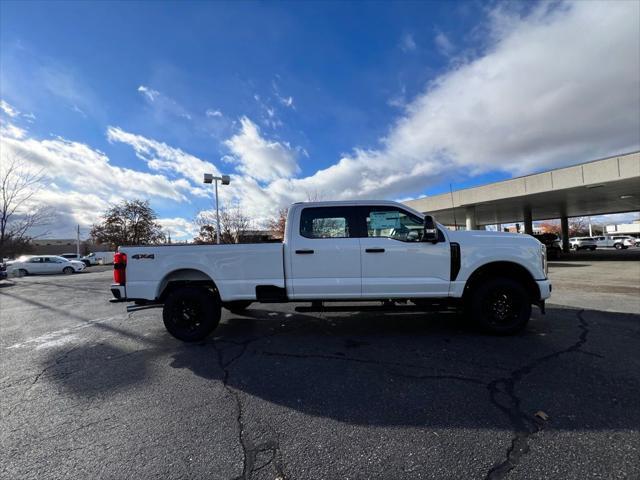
(277,225)
(18,213)
(234,225)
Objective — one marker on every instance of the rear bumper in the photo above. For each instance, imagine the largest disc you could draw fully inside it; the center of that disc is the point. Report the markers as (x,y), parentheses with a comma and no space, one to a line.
(119,292)
(545,288)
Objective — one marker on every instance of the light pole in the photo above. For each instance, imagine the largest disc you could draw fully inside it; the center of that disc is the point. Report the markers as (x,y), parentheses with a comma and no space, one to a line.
(224,179)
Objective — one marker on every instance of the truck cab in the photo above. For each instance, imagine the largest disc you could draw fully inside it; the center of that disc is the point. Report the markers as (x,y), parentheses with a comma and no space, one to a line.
(349,251)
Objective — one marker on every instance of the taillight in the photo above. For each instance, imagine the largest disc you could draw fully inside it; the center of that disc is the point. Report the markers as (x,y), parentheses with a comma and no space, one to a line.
(120,268)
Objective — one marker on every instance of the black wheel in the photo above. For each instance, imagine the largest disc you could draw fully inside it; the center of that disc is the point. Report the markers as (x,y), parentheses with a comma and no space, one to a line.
(239,306)
(592,248)
(68,270)
(191,314)
(87,263)
(618,246)
(500,306)
(21,272)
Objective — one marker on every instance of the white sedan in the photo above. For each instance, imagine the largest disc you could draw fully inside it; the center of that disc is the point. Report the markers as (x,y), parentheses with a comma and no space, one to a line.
(28,264)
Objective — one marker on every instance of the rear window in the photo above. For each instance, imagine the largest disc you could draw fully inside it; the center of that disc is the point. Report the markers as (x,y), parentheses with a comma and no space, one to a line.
(325,222)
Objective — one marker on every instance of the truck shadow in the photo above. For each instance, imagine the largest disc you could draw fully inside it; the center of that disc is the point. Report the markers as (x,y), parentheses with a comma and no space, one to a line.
(581,368)
(411,370)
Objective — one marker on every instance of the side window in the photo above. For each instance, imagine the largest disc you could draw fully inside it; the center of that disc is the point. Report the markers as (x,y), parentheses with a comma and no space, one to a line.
(35,260)
(325,222)
(394,223)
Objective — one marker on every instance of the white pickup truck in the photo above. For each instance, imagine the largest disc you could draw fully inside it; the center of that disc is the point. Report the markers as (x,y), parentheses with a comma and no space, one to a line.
(341,252)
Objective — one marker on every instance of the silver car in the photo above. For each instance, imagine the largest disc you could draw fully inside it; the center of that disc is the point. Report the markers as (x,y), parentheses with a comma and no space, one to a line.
(43,264)
(583,243)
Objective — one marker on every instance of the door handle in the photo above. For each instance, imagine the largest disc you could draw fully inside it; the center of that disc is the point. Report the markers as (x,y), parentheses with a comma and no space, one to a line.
(304,252)
(374,250)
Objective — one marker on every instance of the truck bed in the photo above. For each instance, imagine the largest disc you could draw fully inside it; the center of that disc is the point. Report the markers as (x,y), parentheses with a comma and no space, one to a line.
(236,269)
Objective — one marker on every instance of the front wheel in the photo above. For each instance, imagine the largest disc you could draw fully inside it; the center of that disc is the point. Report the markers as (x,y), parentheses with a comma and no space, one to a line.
(618,246)
(68,270)
(191,314)
(500,306)
(21,272)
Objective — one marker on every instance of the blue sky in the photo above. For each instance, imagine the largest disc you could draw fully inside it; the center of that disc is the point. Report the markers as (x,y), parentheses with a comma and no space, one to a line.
(302,99)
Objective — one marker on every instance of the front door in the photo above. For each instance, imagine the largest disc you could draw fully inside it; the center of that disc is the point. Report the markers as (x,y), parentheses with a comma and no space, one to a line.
(396,263)
(325,255)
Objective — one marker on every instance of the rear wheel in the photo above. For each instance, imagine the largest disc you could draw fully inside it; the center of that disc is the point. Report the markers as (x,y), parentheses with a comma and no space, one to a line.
(191,314)
(592,248)
(618,246)
(239,306)
(68,270)
(500,306)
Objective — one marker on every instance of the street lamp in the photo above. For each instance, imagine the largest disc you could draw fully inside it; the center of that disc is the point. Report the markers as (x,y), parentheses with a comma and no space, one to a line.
(224,179)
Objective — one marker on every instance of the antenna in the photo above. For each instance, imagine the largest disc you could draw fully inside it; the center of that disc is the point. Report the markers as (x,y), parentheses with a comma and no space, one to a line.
(453,207)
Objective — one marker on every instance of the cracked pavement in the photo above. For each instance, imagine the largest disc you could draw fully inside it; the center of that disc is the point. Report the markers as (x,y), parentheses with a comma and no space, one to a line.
(88,391)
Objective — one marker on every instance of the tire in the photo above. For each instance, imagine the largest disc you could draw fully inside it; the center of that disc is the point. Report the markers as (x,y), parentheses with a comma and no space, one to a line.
(618,246)
(87,263)
(238,306)
(500,306)
(190,314)
(68,270)
(592,249)
(21,272)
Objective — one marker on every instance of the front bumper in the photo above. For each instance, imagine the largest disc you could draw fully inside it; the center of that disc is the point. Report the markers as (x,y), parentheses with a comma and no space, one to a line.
(119,292)
(545,289)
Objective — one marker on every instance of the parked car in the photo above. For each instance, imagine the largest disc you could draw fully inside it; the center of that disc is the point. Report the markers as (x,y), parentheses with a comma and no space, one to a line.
(552,242)
(3,271)
(618,242)
(583,243)
(36,264)
(336,252)
(88,260)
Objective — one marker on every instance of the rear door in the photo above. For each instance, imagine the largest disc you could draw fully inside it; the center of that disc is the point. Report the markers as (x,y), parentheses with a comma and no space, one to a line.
(36,265)
(396,263)
(325,254)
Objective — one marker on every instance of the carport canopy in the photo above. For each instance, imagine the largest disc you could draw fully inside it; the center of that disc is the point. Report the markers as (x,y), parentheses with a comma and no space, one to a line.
(609,185)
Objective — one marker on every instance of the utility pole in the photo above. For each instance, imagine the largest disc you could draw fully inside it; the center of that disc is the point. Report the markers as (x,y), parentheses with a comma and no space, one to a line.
(225,179)
(78,242)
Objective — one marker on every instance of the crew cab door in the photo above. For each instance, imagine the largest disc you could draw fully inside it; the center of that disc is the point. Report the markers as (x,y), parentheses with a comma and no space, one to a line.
(396,263)
(324,254)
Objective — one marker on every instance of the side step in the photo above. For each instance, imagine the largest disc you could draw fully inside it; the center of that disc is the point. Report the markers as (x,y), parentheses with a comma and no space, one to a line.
(383,307)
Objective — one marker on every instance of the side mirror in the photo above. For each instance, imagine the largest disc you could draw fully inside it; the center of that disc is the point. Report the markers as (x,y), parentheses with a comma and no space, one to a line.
(430,232)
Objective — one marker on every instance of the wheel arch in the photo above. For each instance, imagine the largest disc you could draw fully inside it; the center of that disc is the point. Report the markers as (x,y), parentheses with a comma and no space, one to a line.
(506,269)
(185,277)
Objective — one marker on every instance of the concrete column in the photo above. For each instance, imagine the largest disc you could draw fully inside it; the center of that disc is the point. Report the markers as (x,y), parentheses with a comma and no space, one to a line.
(470,213)
(528,221)
(564,227)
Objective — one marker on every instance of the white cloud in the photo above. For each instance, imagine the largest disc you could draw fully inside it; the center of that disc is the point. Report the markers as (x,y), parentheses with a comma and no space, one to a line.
(259,158)
(149,93)
(213,113)
(81,182)
(179,228)
(161,157)
(11,131)
(444,44)
(408,43)
(8,109)
(533,101)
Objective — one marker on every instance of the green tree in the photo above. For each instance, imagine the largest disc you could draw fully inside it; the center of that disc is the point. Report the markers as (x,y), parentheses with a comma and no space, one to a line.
(128,223)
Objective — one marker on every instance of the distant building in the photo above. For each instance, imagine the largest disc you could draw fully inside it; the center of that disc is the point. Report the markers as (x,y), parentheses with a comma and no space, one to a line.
(632,229)
(57,246)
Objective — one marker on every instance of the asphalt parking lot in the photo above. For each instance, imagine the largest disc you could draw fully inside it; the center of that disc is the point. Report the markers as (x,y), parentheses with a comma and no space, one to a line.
(91,392)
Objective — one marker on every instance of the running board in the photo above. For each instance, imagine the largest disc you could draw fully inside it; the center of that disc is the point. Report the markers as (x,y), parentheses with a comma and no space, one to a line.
(384,307)
(135,308)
